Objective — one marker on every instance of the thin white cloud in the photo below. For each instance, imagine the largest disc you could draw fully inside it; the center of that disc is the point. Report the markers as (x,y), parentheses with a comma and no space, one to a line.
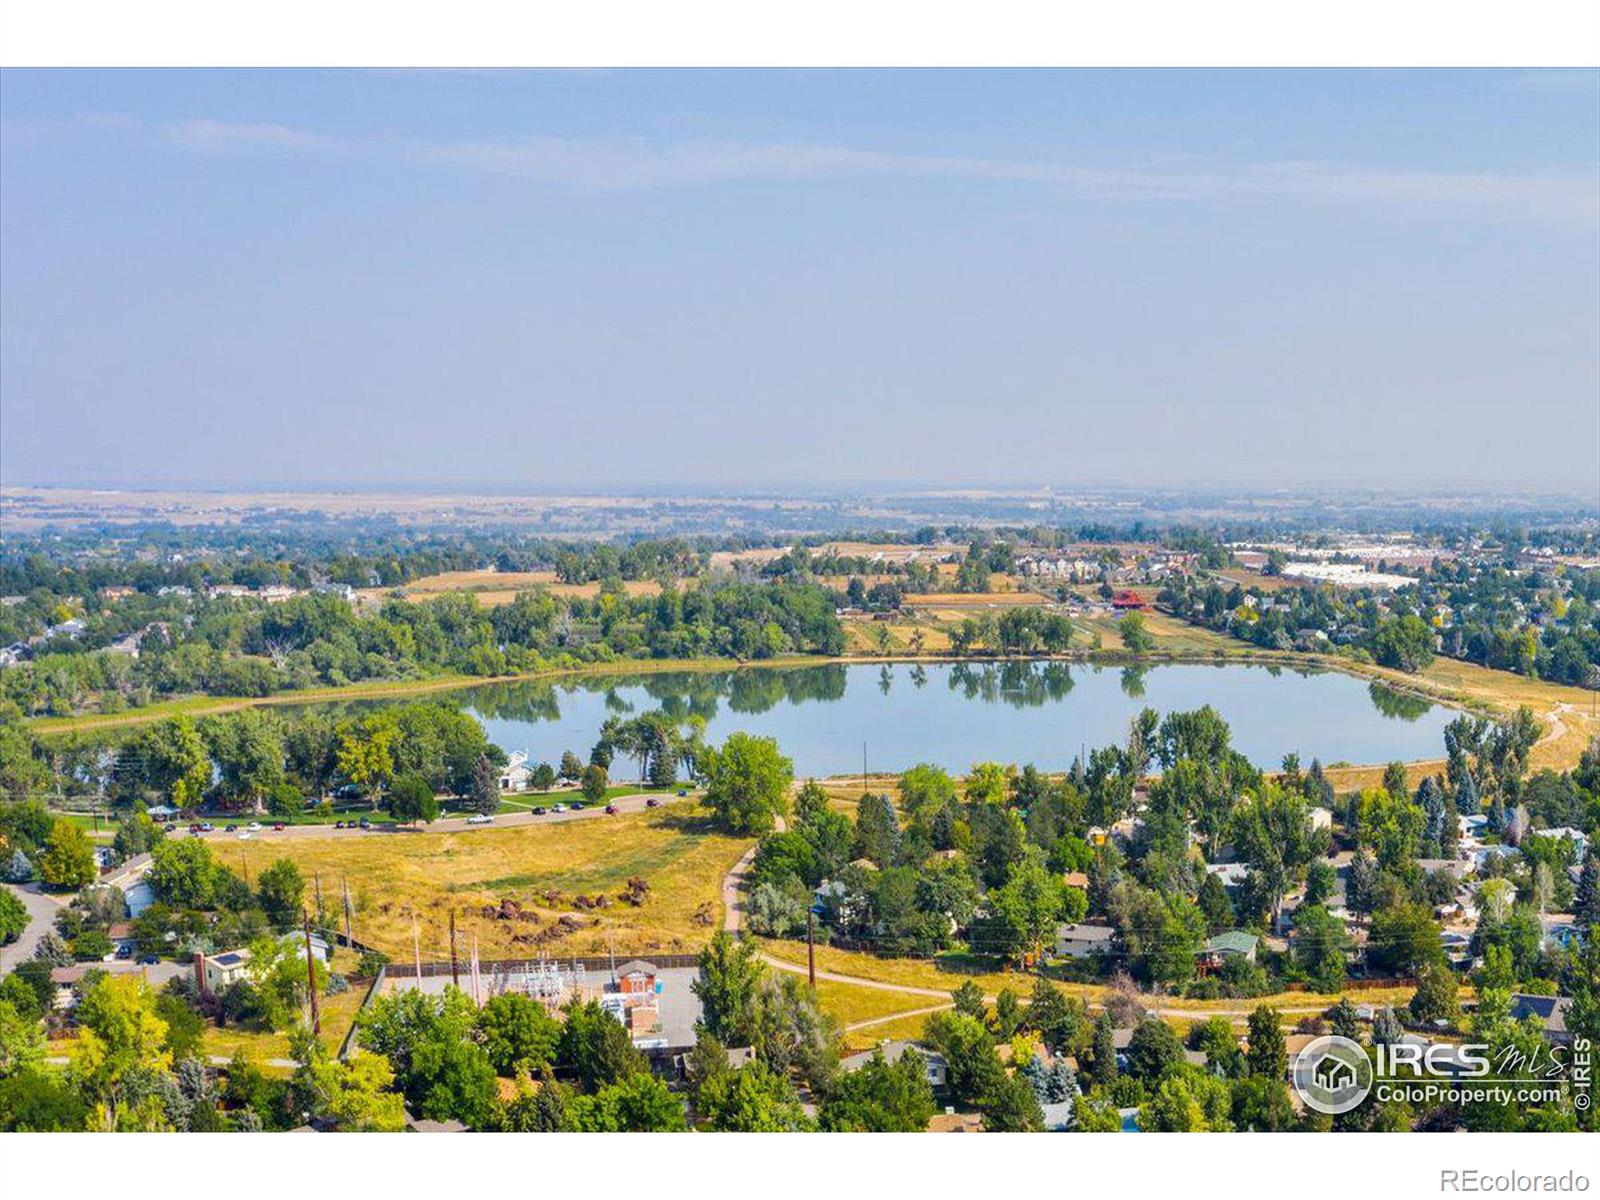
(1566,195)
(204,133)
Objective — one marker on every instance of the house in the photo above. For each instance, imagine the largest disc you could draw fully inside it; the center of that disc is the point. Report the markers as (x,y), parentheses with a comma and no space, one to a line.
(123,943)
(216,973)
(1232,874)
(1057,1117)
(517,773)
(1579,840)
(1236,943)
(1127,600)
(138,898)
(933,1062)
(1075,879)
(1549,1011)
(1081,941)
(115,592)
(276,593)
(950,1121)
(1321,818)
(67,981)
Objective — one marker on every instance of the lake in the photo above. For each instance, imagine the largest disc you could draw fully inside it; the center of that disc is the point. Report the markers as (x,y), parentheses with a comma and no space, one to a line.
(955,714)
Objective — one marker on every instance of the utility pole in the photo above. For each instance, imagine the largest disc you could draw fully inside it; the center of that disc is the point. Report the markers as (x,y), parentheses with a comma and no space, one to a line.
(348,936)
(311,977)
(863,768)
(455,973)
(811,947)
(316,882)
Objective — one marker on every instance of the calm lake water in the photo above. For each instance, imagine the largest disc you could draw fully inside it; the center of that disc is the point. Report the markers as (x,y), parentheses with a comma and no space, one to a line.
(955,714)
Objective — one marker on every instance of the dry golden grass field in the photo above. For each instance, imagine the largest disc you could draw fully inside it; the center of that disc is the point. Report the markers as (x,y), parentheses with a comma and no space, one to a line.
(337,1014)
(543,869)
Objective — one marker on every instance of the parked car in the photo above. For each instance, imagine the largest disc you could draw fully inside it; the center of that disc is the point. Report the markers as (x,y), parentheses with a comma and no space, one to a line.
(480,819)
(652,803)
(230,829)
(365,823)
(169,827)
(611,810)
(194,827)
(682,792)
(148,960)
(576,806)
(558,808)
(207,827)
(538,811)
(254,826)
(338,824)
(124,951)
(277,827)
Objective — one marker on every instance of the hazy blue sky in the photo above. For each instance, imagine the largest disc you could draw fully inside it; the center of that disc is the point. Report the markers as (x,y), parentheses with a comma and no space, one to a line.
(606,279)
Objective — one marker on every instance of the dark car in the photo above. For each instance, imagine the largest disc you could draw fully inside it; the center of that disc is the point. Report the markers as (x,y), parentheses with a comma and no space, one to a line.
(338,824)
(611,810)
(124,951)
(652,803)
(148,960)
(230,829)
(277,827)
(169,827)
(194,827)
(576,806)
(366,824)
(538,812)
(681,792)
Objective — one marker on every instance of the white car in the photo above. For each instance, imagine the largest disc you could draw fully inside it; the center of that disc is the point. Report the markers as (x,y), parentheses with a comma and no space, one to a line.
(558,808)
(254,826)
(480,819)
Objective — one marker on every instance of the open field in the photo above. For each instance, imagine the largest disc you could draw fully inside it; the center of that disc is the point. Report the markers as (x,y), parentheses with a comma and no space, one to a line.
(402,876)
(494,588)
(849,1003)
(338,1013)
(947,973)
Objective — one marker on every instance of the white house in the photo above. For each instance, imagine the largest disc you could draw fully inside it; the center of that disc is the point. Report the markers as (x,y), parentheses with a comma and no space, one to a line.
(1080,941)
(515,776)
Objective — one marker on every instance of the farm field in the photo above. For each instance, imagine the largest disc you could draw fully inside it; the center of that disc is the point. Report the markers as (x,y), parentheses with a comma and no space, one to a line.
(542,870)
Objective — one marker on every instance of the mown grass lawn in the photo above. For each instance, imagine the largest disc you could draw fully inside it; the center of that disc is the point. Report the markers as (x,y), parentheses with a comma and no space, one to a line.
(422,876)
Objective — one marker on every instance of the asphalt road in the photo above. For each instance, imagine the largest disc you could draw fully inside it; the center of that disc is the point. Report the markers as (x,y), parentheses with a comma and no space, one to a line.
(42,910)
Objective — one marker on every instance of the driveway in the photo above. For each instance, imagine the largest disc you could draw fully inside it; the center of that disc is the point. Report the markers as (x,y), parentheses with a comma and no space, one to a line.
(42,910)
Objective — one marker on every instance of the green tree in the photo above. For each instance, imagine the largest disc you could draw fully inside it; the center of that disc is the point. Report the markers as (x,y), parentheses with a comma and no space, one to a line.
(411,799)
(595,783)
(13,917)
(1267,1054)
(1136,639)
(484,793)
(282,892)
(518,1034)
(881,1097)
(638,1103)
(67,860)
(595,1047)
(747,783)
(731,972)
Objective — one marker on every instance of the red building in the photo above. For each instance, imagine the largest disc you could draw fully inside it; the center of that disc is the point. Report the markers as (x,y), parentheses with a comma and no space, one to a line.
(1128,599)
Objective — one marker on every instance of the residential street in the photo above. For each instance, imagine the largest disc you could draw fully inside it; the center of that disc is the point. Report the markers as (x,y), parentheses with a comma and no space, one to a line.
(42,911)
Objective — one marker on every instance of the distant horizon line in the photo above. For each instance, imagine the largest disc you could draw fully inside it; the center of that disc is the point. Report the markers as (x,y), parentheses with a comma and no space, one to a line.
(1588,490)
